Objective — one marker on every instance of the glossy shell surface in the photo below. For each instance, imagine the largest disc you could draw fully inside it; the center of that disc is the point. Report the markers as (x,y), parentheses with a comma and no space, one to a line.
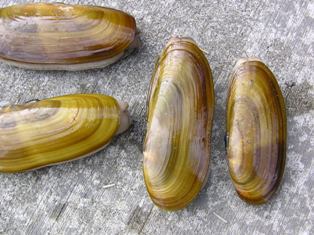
(256,130)
(64,37)
(55,130)
(180,113)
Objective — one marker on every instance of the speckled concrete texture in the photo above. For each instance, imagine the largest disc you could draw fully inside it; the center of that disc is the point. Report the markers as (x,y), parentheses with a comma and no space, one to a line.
(74,198)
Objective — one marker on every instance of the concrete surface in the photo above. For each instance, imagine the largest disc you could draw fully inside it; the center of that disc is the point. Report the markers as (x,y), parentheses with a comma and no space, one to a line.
(75,197)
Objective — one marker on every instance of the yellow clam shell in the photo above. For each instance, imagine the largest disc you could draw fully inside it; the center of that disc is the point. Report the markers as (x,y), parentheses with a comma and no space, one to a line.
(57,36)
(180,114)
(56,130)
(256,130)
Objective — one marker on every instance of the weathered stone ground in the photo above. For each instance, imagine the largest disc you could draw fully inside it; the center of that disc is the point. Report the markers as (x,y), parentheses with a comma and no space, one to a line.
(73,198)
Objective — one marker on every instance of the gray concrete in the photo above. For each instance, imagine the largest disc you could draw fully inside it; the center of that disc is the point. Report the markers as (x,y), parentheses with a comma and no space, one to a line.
(73,198)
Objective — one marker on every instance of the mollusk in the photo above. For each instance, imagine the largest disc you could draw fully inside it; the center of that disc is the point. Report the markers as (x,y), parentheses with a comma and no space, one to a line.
(180,113)
(58,36)
(55,130)
(256,131)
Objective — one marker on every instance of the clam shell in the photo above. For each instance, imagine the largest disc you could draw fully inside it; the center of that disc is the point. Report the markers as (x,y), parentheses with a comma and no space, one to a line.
(56,130)
(58,36)
(256,130)
(180,113)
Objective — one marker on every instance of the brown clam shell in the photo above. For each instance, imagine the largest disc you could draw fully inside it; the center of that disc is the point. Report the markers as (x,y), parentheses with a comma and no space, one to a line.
(57,36)
(256,131)
(58,129)
(180,114)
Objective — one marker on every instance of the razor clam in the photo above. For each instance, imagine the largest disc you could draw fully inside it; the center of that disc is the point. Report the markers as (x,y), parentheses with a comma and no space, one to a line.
(60,129)
(256,130)
(57,36)
(180,114)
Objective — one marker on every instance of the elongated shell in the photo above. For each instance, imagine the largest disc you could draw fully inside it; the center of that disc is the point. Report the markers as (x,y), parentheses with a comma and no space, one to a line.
(64,37)
(180,113)
(256,130)
(58,129)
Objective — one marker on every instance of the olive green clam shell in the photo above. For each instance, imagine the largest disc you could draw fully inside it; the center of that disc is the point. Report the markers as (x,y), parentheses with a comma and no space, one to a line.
(180,113)
(56,130)
(256,130)
(57,36)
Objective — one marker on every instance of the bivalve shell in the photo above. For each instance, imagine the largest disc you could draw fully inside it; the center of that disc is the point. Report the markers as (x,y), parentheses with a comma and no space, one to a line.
(58,36)
(180,113)
(59,129)
(256,131)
